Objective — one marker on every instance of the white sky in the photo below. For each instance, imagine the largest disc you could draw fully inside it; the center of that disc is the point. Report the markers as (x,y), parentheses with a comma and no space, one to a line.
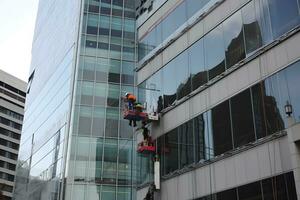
(17,20)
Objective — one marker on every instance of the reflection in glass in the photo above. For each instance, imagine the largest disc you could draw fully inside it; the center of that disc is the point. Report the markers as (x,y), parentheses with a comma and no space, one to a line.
(182,75)
(186,144)
(284,15)
(171,155)
(221,128)
(214,52)
(252,31)
(273,105)
(169,88)
(234,39)
(259,111)
(242,119)
(196,62)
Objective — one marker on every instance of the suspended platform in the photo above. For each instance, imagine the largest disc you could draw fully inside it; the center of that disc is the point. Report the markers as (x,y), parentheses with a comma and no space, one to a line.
(134,115)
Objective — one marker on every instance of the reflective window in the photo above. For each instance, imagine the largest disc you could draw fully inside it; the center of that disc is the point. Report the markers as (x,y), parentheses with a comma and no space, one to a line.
(252,31)
(214,52)
(221,128)
(174,20)
(284,15)
(98,121)
(195,5)
(95,165)
(186,144)
(182,75)
(234,39)
(196,62)
(125,162)
(258,110)
(110,161)
(112,122)
(291,77)
(169,88)
(171,153)
(85,120)
(242,119)
(273,105)
(202,131)
(153,93)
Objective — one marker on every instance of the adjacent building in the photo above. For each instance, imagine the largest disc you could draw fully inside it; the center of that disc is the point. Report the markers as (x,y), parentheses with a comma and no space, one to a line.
(226,75)
(12,100)
(75,143)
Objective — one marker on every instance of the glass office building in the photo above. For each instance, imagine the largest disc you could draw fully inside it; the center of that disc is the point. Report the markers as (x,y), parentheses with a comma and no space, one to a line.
(222,73)
(75,143)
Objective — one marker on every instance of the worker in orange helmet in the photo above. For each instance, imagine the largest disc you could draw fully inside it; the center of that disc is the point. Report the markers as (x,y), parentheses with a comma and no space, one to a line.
(130,99)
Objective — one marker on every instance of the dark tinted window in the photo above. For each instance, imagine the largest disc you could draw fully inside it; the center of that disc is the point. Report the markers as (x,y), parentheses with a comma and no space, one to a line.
(267,187)
(258,110)
(251,191)
(242,119)
(200,131)
(227,195)
(171,153)
(222,137)
(186,144)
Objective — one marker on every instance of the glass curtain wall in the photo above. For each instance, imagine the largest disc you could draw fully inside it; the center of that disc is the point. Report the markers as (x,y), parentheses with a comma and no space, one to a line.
(238,37)
(244,118)
(102,157)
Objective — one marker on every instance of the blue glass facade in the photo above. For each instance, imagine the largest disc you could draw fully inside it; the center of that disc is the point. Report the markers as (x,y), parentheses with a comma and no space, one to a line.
(75,143)
(102,151)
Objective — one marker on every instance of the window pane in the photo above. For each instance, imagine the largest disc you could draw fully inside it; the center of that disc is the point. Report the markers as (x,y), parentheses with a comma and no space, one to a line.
(234,39)
(196,61)
(98,121)
(227,195)
(253,35)
(112,122)
(110,161)
(171,157)
(273,106)
(169,88)
(251,191)
(267,187)
(259,112)
(153,93)
(221,128)
(242,119)
(291,76)
(96,151)
(290,183)
(284,15)
(195,5)
(280,192)
(186,143)
(199,131)
(263,17)
(180,64)
(214,52)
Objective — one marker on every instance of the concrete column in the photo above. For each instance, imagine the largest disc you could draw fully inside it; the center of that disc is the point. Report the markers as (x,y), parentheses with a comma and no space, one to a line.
(293,132)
